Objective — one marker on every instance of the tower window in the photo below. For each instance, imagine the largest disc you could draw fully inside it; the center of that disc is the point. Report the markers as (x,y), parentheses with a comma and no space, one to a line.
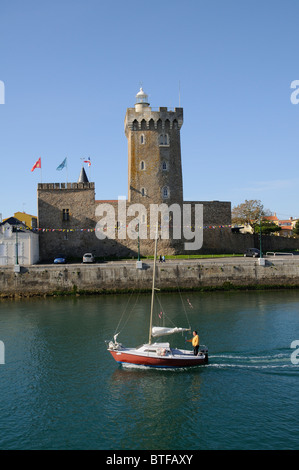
(165,192)
(142,139)
(143,192)
(164,139)
(142,165)
(65,214)
(164,166)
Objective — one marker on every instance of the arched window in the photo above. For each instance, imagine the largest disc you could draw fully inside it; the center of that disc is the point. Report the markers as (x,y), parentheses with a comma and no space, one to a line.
(165,192)
(142,139)
(164,166)
(142,165)
(135,125)
(164,139)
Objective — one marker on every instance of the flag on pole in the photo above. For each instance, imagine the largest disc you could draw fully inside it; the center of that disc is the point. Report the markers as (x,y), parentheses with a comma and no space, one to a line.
(38,164)
(88,161)
(62,165)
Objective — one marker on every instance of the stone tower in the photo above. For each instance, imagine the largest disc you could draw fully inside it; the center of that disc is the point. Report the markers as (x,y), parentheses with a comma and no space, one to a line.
(154,153)
(66,218)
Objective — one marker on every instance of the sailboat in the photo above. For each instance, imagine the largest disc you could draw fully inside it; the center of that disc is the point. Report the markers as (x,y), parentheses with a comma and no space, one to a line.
(156,354)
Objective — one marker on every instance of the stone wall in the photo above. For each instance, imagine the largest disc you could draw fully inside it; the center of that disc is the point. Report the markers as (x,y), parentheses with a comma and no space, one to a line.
(118,277)
(224,241)
(76,236)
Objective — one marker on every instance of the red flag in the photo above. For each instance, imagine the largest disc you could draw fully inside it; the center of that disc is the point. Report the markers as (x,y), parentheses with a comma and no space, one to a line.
(37,164)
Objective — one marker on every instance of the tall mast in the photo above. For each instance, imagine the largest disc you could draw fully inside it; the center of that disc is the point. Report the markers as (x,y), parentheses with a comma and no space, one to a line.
(153,289)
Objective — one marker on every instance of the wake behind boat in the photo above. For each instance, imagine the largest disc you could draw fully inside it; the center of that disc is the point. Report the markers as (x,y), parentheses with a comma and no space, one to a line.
(157,354)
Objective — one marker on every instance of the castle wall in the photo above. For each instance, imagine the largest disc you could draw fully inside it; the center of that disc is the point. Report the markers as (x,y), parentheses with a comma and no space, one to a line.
(79,235)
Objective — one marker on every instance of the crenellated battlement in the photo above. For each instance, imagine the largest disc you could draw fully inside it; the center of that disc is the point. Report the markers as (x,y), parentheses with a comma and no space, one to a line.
(64,186)
(152,119)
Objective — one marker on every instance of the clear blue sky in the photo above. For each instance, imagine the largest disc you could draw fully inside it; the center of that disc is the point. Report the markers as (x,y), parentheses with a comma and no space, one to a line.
(72,67)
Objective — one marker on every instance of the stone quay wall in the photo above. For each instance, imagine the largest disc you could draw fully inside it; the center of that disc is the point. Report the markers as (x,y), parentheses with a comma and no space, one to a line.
(124,276)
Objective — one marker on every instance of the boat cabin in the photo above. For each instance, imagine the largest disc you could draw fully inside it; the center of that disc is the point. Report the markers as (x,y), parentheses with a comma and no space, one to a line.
(161,349)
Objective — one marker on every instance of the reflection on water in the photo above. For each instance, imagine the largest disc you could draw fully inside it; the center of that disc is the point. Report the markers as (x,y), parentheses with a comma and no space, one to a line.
(61,389)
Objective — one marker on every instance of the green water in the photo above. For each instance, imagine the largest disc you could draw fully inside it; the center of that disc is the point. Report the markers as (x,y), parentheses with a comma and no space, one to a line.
(61,389)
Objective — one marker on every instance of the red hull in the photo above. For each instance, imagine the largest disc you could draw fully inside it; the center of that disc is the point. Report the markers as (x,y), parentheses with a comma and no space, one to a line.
(150,361)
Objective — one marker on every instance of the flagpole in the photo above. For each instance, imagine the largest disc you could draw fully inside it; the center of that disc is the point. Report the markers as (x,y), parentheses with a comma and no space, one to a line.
(66,171)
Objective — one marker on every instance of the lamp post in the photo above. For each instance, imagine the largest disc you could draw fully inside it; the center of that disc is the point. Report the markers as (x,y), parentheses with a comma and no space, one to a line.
(17,247)
(138,263)
(138,243)
(262,261)
(17,267)
(261,253)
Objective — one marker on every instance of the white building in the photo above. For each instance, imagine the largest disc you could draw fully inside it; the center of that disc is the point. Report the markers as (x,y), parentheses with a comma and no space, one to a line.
(18,245)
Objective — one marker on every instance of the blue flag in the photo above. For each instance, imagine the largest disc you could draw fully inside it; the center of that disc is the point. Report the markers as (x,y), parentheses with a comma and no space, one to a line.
(62,165)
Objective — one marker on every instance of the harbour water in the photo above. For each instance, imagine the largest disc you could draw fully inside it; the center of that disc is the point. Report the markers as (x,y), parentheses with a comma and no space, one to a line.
(61,389)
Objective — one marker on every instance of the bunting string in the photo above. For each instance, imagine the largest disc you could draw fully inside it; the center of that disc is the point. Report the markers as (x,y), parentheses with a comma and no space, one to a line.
(117,228)
(103,228)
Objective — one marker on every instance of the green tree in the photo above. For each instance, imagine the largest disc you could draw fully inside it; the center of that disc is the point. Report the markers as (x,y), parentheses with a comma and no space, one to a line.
(267,227)
(296,228)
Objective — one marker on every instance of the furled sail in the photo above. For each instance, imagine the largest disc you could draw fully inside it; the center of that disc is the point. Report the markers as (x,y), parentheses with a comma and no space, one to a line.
(161,330)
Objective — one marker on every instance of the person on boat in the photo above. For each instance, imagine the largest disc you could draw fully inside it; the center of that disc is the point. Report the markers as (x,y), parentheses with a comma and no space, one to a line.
(195,342)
